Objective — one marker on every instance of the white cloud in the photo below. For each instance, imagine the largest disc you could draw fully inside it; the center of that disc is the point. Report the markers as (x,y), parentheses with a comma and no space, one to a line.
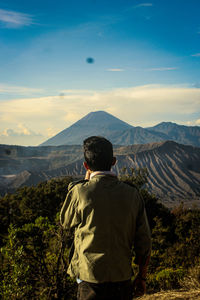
(115,70)
(11,132)
(197,122)
(21,90)
(140,106)
(193,123)
(8,132)
(144,5)
(20,135)
(71,116)
(15,19)
(162,69)
(24,130)
(141,5)
(51,132)
(21,130)
(196,55)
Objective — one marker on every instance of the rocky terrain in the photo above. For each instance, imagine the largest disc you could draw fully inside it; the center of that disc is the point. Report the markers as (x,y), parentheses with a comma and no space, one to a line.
(174,169)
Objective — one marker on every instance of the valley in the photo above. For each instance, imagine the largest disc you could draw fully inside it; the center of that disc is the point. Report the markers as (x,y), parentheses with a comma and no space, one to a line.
(173,169)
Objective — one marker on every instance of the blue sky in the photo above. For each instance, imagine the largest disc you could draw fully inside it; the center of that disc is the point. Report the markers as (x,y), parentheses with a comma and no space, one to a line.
(142,50)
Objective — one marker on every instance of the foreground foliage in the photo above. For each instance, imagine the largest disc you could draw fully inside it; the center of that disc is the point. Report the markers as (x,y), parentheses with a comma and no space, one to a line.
(35,249)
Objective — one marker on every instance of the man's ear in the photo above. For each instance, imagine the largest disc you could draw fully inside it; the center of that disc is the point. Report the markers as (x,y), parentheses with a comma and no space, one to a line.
(86,165)
(114,161)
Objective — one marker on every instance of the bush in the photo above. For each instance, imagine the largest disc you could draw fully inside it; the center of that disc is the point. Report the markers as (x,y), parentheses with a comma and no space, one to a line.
(35,249)
(35,262)
(165,279)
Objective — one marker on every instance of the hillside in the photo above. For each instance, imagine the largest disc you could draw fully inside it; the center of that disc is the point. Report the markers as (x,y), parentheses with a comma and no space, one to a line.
(16,159)
(174,169)
(189,135)
(120,133)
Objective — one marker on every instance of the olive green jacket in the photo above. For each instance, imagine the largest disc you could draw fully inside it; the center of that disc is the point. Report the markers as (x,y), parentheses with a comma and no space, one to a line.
(109,218)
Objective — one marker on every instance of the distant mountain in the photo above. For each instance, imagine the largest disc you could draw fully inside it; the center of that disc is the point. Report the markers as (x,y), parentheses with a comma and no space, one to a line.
(95,123)
(189,135)
(136,135)
(120,133)
(174,169)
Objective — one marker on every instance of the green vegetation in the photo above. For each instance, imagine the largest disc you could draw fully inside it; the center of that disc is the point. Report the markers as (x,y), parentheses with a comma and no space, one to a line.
(35,249)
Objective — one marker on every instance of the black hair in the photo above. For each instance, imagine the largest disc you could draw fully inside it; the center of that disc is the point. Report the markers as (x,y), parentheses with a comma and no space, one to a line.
(98,153)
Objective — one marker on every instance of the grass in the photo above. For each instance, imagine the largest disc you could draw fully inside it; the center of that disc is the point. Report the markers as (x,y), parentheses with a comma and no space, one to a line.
(171,295)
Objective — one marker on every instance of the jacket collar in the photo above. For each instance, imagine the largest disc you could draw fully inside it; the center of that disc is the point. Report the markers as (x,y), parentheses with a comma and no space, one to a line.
(102,173)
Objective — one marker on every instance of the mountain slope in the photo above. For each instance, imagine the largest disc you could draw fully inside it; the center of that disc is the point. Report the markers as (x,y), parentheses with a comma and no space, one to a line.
(95,123)
(174,170)
(136,135)
(120,133)
(189,135)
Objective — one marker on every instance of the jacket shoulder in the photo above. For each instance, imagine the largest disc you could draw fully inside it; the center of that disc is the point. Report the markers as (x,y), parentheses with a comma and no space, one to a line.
(75,183)
(131,184)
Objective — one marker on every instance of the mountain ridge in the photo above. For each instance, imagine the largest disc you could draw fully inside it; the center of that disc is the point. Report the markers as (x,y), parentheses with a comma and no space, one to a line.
(121,133)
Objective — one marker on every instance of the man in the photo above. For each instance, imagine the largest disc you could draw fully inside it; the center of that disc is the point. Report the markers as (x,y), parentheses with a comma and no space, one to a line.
(109,219)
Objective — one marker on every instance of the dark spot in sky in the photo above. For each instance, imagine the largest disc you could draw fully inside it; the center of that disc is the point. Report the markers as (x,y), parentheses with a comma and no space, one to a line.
(90,60)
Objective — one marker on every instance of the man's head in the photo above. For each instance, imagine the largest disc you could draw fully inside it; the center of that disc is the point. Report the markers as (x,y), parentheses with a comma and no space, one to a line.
(98,153)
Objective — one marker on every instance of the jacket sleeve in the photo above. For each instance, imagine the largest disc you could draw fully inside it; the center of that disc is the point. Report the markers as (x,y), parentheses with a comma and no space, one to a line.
(69,216)
(142,241)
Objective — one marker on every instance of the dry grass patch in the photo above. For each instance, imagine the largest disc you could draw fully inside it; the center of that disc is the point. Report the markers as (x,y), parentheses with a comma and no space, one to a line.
(171,295)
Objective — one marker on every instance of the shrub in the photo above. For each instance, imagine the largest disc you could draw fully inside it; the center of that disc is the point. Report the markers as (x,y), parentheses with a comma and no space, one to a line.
(165,279)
